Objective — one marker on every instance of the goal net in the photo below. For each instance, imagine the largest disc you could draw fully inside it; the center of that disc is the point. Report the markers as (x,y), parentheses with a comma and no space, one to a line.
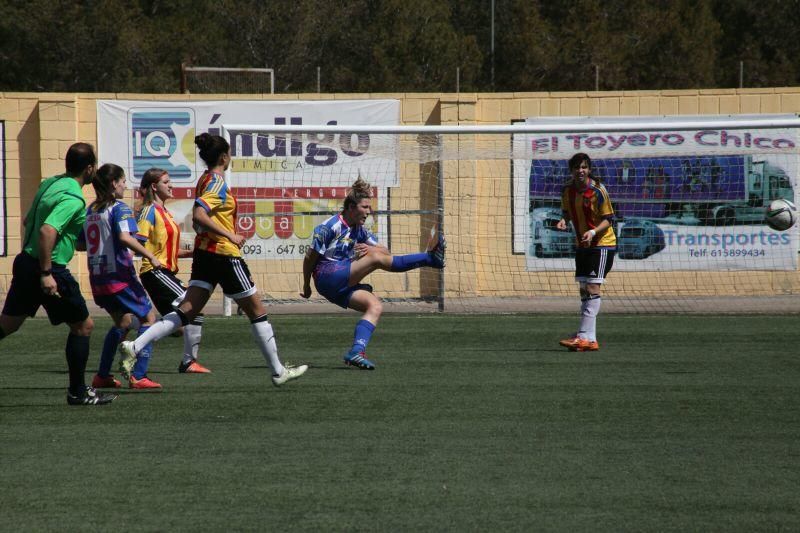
(689,194)
(227,80)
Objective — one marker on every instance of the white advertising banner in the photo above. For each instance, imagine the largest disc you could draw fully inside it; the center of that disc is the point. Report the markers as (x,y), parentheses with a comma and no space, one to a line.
(683,200)
(277,179)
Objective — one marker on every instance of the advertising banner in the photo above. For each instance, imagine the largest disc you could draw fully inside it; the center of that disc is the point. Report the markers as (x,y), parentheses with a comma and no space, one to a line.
(683,200)
(277,179)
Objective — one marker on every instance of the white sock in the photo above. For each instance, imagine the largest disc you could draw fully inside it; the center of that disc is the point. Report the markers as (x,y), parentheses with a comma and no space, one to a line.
(582,333)
(265,338)
(191,341)
(157,331)
(590,308)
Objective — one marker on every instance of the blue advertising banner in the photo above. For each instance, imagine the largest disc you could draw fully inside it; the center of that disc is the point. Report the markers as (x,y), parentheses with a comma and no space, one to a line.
(683,200)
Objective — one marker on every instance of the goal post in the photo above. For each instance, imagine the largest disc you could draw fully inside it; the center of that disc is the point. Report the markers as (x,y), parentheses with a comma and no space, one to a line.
(689,194)
(227,80)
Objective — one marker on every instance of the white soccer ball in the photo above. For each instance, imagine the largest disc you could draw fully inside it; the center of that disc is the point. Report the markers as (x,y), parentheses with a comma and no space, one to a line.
(781,215)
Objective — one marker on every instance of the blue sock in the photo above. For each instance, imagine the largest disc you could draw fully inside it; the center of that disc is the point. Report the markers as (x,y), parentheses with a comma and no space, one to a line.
(361,336)
(143,357)
(110,344)
(404,263)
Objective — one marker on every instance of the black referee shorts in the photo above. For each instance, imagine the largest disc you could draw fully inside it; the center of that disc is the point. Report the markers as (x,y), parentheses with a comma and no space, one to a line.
(25,295)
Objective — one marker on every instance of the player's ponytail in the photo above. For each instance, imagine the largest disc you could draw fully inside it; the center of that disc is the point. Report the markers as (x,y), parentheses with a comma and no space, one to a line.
(359,191)
(104,185)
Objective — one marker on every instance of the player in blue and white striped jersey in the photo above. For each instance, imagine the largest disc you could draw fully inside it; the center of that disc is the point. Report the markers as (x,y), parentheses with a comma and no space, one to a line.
(109,235)
(343,252)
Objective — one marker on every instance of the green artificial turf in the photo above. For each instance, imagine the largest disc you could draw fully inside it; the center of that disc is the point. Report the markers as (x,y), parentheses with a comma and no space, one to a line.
(468,423)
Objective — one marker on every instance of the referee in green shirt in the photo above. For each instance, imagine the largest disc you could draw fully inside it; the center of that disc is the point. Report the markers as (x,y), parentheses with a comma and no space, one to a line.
(40,274)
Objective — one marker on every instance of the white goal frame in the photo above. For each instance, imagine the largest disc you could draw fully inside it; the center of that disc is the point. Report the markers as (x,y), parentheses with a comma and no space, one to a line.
(542,125)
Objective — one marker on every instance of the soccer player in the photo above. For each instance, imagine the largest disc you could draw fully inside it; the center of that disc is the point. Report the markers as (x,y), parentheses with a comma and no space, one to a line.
(343,252)
(585,202)
(40,274)
(162,237)
(217,260)
(109,235)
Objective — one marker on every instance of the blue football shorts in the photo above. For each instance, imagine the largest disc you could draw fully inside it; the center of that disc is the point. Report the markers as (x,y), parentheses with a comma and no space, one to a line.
(331,279)
(132,299)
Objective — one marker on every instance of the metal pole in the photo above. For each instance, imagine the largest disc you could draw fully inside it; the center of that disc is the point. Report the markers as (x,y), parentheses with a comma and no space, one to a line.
(184,89)
(741,74)
(596,77)
(458,80)
(492,50)
(440,217)
(318,83)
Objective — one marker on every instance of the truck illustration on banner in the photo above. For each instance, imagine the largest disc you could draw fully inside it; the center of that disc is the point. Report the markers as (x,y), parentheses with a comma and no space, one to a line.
(707,190)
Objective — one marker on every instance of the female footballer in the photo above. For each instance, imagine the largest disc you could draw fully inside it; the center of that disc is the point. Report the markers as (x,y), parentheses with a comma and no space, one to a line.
(162,236)
(585,202)
(343,252)
(217,260)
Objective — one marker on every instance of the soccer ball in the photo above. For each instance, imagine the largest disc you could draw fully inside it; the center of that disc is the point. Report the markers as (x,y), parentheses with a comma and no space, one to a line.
(781,215)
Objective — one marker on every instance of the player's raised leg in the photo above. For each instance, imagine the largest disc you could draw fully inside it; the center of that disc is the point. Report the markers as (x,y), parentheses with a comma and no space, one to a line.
(377,259)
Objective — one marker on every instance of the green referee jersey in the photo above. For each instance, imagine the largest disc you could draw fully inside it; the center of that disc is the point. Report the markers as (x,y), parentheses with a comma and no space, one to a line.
(58,203)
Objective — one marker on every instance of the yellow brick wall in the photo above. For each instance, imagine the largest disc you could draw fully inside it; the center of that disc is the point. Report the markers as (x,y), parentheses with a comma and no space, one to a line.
(41,126)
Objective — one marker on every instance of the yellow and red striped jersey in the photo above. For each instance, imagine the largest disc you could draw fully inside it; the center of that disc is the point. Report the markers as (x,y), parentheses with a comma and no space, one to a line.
(586,209)
(214,195)
(162,236)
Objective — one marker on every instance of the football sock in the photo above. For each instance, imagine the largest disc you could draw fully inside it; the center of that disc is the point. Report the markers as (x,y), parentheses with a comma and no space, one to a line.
(590,308)
(159,330)
(143,356)
(265,339)
(361,337)
(582,327)
(404,263)
(110,344)
(77,352)
(191,339)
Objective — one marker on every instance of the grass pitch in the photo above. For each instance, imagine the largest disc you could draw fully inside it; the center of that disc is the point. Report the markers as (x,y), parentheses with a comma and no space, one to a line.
(468,423)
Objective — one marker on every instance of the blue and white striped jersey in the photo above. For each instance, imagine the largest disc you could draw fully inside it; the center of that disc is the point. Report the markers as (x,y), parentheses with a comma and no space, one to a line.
(334,240)
(110,261)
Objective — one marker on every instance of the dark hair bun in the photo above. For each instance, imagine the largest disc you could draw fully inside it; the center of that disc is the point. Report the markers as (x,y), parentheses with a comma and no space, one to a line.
(203,140)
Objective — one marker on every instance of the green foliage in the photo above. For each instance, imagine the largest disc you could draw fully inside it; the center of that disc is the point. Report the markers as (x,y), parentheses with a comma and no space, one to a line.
(396,45)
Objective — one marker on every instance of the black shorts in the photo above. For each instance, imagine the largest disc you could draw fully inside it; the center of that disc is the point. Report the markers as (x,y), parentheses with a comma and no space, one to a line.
(593,264)
(231,273)
(25,295)
(166,291)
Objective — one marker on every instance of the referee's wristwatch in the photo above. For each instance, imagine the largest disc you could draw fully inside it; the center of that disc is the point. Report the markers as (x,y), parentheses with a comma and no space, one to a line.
(47,272)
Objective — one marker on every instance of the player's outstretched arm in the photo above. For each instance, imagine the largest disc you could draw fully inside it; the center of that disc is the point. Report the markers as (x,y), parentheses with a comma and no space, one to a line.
(309,263)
